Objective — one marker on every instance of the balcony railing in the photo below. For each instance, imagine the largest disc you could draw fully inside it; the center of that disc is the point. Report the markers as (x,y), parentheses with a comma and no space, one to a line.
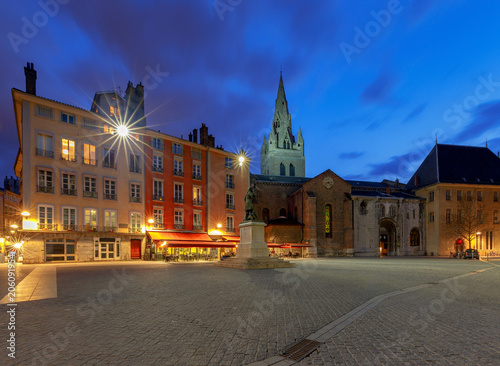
(196,176)
(158,169)
(109,164)
(45,189)
(90,194)
(44,153)
(178,173)
(230,206)
(197,202)
(70,227)
(135,169)
(89,227)
(109,196)
(230,230)
(89,161)
(230,185)
(42,226)
(178,226)
(132,229)
(71,158)
(178,199)
(157,197)
(158,225)
(109,228)
(197,227)
(68,192)
(135,199)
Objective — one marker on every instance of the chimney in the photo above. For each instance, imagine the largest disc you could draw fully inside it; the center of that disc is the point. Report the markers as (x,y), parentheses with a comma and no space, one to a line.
(195,136)
(204,135)
(388,190)
(190,137)
(30,73)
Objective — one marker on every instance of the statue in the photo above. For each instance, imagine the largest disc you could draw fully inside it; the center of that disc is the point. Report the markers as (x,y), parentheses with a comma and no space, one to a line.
(249,209)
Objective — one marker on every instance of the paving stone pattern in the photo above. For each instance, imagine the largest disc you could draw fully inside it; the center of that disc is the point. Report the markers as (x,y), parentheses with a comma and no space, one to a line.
(198,314)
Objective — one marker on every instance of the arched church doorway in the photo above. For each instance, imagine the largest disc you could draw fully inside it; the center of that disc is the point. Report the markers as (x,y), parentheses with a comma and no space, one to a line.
(387,232)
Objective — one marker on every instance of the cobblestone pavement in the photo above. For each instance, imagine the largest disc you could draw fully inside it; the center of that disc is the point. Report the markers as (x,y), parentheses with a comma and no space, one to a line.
(198,314)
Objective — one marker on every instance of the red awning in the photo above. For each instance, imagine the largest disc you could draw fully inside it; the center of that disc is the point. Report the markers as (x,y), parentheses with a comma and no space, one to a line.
(231,238)
(295,245)
(200,244)
(168,236)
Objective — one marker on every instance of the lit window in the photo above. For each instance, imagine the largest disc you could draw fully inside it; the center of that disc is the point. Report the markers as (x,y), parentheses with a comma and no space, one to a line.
(89,156)
(328,221)
(197,196)
(90,219)
(114,111)
(110,220)
(108,129)
(68,150)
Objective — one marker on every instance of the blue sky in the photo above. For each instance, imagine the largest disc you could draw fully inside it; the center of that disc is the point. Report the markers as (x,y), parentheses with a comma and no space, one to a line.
(372,84)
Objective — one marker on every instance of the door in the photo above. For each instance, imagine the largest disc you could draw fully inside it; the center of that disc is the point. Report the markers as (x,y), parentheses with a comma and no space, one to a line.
(135,249)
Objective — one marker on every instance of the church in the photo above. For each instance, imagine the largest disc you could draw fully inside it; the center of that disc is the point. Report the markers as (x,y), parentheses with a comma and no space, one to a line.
(327,215)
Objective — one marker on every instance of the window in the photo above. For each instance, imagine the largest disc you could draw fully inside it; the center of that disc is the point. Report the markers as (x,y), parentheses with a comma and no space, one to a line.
(177,149)
(178,171)
(69,218)
(328,221)
(46,217)
(431,216)
(431,196)
(109,159)
(228,163)
(135,222)
(157,144)
(44,146)
(68,118)
(229,181)
(90,219)
(282,212)
(414,213)
(489,240)
(459,215)
(90,123)
(479,196)
(197,196)
(282,169)
(292,170)
(134,163)
(196,153)
(157,190)
(89,156)
(68,150)
(230,201)
(362,208)
(459,195)
(45,183)
(135,192)
(44,111)
(178,193)
(196,171)
(114,111)
(108,129)
(197,221)
(157,164)
(178,219)
(469,195)
(109,189)
(448,195)
(107,248)
(495,196)
(68,184)
(495,216)
(110,220)
(414,238)
(448,215)
(158,217)
(382,211)
(392,210)
(90,187)
(60,249)
(230,223)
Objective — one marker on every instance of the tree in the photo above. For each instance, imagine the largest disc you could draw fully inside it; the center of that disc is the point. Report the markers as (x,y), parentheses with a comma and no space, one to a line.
(471,218)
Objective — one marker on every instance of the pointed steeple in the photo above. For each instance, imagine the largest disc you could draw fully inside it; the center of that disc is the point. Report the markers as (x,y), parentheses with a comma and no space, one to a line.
(281,103)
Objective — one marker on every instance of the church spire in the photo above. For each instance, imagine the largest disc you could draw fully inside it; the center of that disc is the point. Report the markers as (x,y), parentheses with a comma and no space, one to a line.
(281,103)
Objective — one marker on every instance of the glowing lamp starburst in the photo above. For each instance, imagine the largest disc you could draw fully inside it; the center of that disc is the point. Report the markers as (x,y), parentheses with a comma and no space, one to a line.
(122,130)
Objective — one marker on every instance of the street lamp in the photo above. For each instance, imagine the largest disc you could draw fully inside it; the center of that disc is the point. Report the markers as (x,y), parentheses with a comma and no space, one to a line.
(122,130)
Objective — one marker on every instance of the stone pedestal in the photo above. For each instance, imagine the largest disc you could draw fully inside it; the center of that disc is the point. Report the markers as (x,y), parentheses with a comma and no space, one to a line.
(252,252)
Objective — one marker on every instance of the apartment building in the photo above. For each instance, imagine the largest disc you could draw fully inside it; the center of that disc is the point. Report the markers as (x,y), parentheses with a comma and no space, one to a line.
(82,174)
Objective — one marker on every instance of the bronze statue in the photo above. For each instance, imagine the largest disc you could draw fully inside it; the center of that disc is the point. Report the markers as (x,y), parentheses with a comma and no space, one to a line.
(249,208)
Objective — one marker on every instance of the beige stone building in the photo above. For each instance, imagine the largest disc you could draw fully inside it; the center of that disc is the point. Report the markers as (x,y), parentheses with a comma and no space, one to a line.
(449,179)
(82,181)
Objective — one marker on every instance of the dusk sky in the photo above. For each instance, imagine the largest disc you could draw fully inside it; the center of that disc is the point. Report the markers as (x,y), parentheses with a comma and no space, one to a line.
(370,83)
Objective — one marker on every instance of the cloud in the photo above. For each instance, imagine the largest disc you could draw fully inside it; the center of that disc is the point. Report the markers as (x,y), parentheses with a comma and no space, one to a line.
(351,155)
(415,112)
(486,116)
(379,90)
(398,166)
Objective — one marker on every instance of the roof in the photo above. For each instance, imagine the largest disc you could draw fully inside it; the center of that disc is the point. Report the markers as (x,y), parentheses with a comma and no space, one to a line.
(457,164)
(361,184)
(381,194)
(279,179)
